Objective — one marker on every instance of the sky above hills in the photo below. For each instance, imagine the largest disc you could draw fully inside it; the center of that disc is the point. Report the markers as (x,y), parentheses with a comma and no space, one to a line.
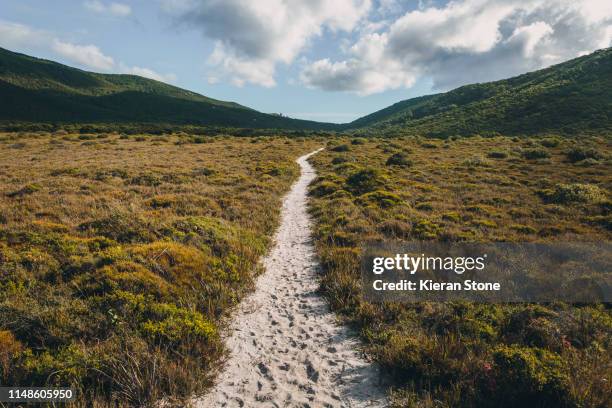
(321,60)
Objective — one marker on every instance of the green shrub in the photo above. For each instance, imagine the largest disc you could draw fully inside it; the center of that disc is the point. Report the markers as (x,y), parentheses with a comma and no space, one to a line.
(398,159)
(476,161)
(525,375)
(175,324)
(146,179)
(580,153)
(550,142)
(358,141)
(382,199)
(339,160)
(575,193)
(451,216)
(365,181)
(424,206)
(323,188)
(498,154)
(533,154)
(523,229)
(121,227)
(341,148)
(425,229)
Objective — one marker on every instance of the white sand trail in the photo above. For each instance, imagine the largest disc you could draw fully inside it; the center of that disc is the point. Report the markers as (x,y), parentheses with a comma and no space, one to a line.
(286,347)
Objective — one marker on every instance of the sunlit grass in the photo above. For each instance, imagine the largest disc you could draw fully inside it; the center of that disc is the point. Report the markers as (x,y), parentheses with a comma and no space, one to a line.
(470,189)
(119,255)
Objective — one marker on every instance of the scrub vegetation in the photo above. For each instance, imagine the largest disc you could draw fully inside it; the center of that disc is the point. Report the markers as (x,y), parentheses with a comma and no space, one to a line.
(461,354)
(119,255)
(569,98)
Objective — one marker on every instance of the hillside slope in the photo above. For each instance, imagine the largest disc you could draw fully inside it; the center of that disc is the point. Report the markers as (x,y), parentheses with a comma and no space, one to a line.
(571,97)
(37,90)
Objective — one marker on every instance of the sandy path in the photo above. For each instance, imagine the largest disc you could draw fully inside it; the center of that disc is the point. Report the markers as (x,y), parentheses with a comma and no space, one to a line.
(286,348)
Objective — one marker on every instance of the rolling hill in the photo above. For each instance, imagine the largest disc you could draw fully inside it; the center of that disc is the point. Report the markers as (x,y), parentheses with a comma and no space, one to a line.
(571,97)
(38,90)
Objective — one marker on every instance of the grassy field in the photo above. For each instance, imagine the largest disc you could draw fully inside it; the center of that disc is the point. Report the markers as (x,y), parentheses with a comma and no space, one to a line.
(471,189)
(120,254)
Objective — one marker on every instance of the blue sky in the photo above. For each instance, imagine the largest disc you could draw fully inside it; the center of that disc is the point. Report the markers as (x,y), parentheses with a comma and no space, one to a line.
(322,60)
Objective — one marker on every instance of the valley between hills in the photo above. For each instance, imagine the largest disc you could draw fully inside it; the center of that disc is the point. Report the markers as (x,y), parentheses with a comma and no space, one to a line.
(157,245)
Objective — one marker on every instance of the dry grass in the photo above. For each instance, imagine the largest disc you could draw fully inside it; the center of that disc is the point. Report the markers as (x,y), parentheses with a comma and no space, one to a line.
(119,255)
(473,189)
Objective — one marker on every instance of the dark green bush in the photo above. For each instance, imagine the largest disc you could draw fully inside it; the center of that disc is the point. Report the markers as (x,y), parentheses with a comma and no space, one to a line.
(524,375)
(533,154)
(383,199)
(339,160)
(398,159)
(550,142)
(574,193)
(580,153)
(341,148)
(498,154)
(365,181)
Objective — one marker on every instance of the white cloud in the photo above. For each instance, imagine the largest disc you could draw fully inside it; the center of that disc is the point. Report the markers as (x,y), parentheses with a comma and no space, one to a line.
(363,73)
(530,36)
(15,35)
(252,37)
(466,41)
(88,55)
(116,9)
(20,36)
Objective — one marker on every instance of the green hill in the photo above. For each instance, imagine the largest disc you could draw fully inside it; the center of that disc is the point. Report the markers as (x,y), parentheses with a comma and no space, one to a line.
(571,97)
(37,90)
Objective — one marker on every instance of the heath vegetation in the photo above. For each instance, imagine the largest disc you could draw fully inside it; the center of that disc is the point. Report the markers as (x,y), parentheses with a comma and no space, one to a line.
(461,354)
(120,254)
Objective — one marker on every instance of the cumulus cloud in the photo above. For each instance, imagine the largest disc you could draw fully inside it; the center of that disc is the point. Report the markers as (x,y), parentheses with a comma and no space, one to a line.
(88,55)
(363,73)
(19,36)
(252,37)
(115,9)
(466,41)
(14,35)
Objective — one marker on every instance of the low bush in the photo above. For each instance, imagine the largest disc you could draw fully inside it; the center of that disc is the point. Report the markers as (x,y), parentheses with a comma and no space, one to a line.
(534,154)
(341,148)
(365,181)
(580,153)
(398,159)
(550,142)
(497,154)
(522,375)
(575,193)
(383,199)
(465,354)
(114,280)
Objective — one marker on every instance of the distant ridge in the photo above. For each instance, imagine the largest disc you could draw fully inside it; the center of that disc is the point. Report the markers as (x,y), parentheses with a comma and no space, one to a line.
(38,90)
(571,97)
